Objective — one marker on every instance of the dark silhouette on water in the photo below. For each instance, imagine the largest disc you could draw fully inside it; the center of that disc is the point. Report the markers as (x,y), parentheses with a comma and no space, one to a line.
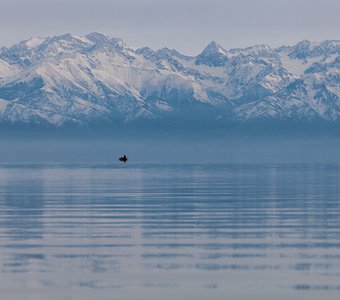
(123,158)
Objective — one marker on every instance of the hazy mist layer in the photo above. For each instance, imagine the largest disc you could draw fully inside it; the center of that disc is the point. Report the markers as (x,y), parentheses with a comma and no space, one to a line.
(171,149)
(187,25)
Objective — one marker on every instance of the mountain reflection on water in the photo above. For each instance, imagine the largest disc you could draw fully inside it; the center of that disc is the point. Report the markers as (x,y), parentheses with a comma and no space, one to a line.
(170,231)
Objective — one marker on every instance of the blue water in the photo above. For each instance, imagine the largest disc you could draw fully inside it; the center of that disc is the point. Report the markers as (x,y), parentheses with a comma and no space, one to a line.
(135,231)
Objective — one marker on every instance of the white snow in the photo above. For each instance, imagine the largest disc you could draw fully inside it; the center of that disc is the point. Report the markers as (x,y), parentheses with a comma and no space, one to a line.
(34,42)
(164,106)
(83,39)
(7,70)
(3,104)
(79,85)
(298,66)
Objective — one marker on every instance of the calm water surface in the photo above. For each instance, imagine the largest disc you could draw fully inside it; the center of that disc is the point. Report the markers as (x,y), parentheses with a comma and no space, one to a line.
(169,231)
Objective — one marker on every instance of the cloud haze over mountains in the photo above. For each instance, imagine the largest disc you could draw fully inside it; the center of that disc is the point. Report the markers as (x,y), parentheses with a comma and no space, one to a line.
(187,25)
(91,79)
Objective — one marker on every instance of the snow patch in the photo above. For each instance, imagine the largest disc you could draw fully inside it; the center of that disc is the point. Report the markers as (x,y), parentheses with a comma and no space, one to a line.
(3,104)
(34,42)
(297,66)
(6,70)
(163,106)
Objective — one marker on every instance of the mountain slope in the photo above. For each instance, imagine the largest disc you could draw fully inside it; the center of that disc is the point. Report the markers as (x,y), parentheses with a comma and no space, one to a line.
(85,80)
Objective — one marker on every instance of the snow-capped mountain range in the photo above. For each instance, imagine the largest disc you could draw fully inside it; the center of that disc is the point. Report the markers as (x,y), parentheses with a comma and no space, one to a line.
(84,80)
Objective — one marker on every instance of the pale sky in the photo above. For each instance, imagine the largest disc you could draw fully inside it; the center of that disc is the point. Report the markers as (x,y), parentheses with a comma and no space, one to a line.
(186,25)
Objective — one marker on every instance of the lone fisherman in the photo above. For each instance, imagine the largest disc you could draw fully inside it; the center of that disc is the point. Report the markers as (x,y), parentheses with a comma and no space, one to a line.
(123,158)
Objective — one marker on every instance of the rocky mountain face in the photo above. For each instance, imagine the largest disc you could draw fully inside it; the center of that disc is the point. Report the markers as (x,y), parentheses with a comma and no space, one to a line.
(87,80)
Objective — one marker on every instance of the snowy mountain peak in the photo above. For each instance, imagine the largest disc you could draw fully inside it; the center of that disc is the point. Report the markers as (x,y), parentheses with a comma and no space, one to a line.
(214,48)
(118,43)
(212,55)
(260,50)
(307,49)
(70,79)
(34,42)
(101,39)
(97,37)
(301,50)
(171,52)
(145,52)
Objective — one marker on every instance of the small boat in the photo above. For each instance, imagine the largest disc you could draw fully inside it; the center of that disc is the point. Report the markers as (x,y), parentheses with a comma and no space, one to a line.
(123,158)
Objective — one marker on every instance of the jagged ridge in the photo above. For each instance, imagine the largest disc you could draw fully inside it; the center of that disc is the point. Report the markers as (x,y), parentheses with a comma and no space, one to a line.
(94,79)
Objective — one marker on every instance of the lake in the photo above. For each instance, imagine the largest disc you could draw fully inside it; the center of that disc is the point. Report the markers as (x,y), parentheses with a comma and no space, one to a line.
(169,231)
